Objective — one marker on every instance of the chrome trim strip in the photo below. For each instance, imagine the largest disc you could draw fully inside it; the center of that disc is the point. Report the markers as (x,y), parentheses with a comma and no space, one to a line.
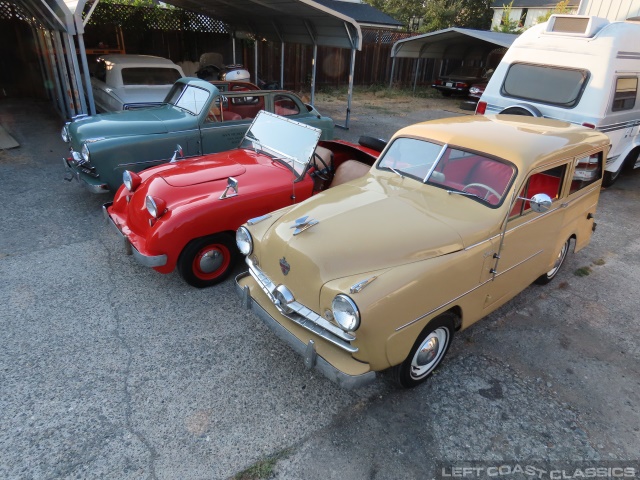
(628,55)
(481,242)
(443,305)
(358,287)
(520,263)
(467,292)
(304,316)
(253,221)
(324,367)
(145,260)
(533,219)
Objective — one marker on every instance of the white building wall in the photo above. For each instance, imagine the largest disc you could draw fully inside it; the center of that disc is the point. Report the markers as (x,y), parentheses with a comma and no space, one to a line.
(610,9)
(516,13)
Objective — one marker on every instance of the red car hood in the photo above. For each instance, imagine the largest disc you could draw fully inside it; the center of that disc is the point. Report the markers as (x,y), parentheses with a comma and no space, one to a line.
(202,170)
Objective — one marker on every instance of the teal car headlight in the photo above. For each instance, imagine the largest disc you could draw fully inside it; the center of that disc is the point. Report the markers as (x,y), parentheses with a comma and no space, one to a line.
(346,313)
(244,241)
(65,134)
(85,152)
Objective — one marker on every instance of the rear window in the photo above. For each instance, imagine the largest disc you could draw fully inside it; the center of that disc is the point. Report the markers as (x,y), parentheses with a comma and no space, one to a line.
(547,84)
(149,76)
(625,95)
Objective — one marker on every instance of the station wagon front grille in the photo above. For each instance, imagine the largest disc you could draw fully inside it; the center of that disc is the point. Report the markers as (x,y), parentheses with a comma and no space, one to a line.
(304,316)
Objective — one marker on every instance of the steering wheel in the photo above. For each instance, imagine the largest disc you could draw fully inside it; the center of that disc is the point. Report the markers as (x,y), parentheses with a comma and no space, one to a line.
(485,187)
(327,170)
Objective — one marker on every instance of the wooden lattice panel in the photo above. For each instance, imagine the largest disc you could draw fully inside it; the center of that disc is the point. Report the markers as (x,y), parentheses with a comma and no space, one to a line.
(129,17)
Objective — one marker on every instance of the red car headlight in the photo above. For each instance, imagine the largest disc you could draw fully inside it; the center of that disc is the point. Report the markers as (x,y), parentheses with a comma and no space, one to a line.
(131,180)
(155,206)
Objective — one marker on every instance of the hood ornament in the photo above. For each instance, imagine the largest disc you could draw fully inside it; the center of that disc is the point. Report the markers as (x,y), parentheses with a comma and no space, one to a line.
(358,287)
(302,224)
(284,266)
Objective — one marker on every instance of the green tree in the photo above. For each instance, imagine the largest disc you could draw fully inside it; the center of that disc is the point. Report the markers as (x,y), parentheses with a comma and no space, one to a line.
(439,14)
(508,24)
(561,7)
(475,14)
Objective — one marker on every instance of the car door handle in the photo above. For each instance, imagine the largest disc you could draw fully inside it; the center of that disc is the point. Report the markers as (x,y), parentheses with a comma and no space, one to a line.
(564,205)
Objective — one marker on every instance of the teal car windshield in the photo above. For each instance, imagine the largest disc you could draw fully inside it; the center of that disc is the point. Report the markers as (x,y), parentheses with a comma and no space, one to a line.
(188,97)
(291,143)
(471,174)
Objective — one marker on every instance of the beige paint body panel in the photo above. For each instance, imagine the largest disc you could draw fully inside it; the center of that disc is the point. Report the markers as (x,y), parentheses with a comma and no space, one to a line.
(429,251)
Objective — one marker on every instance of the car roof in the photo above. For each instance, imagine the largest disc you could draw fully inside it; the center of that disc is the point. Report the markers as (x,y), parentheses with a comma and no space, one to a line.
(528,142)
(128,59)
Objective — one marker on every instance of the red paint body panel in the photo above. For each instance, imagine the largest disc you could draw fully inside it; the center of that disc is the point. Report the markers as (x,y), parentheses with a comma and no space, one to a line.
(192,188)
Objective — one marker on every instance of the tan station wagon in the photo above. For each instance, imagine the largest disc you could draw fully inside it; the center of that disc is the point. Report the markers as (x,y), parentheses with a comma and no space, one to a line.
(455,218)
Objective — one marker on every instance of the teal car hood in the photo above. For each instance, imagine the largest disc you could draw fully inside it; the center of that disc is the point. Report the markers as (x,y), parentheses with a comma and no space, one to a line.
(149,121)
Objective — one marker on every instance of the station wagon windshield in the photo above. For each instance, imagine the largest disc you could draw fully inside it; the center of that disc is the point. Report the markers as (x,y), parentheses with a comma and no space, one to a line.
(458,171)
(187,97)
(289,142)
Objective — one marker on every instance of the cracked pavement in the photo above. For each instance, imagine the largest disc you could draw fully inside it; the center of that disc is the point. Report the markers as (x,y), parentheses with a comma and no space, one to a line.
(111,370)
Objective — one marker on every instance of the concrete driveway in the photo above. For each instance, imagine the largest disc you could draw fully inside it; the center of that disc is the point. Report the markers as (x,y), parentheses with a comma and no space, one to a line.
(111,370)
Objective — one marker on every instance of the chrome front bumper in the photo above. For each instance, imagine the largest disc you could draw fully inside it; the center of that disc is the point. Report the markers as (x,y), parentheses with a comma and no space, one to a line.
(142,259)
(308,351)
(71,174)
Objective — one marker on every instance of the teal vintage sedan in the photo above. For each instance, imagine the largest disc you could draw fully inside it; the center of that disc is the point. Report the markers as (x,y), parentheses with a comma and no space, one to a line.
(195,116)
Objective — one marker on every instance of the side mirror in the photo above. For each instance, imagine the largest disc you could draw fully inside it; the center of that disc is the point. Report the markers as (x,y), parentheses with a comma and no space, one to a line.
(231,190)
(177,153)
(540,203)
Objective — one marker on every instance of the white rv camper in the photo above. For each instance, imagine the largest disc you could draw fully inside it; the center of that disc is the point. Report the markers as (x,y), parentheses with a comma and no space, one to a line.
(579,69)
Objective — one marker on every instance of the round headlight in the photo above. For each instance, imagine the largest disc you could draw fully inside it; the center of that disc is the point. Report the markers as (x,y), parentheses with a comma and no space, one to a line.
(346,313)
(155,206)
(131,180)
(244,241)
(85,152)
(65,134)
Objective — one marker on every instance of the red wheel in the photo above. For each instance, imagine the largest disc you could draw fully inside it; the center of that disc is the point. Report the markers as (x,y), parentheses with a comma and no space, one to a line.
(208,260)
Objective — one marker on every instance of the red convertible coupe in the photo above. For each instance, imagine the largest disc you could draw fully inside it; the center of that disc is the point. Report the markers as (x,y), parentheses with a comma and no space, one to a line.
(186,212)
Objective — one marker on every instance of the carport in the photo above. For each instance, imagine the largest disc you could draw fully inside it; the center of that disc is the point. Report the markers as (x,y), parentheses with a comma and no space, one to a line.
(287,21)
(451,43)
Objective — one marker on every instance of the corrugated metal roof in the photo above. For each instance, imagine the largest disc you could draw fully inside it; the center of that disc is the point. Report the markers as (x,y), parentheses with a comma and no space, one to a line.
(452,40)
(362,13)
(291,21)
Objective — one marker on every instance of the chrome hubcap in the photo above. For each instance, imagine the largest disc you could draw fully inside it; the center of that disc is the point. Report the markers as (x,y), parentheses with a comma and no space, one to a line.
(211,261)
(558,262)
(430,353)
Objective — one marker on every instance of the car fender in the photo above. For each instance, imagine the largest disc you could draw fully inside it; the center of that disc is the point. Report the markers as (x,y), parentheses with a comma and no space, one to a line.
(424,289)
(112,156)
(210,214)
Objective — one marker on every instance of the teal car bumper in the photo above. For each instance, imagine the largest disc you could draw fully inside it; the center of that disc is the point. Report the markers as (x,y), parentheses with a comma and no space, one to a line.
(72,171)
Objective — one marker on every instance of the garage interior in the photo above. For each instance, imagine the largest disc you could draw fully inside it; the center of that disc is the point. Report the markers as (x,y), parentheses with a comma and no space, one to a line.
(51,29)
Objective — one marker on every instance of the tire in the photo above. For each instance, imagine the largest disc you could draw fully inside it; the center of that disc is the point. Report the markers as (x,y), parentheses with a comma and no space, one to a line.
(440,330)
(609,178)
(208,260)
(551,274)
(445,93)
(373,143)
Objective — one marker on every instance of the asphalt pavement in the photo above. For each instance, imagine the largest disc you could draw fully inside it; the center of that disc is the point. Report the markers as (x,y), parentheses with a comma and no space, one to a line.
(111,370)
